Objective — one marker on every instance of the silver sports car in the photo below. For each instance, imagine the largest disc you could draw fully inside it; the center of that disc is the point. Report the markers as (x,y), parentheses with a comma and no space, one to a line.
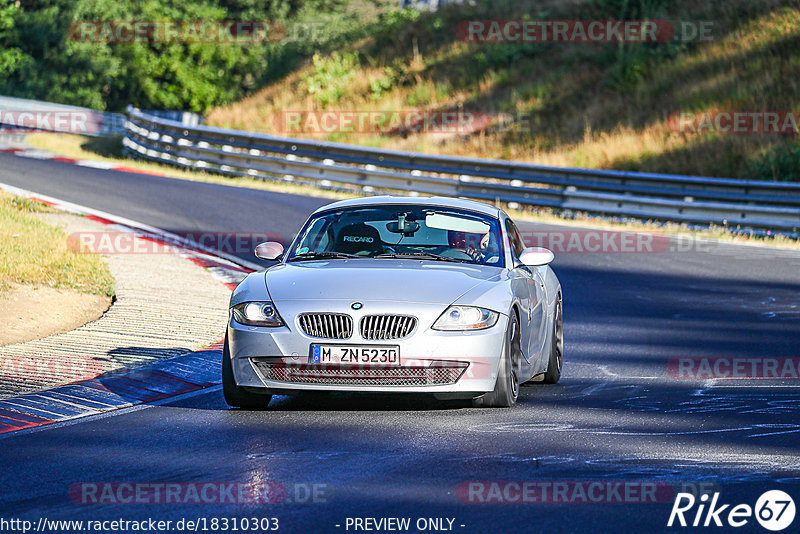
(397,295)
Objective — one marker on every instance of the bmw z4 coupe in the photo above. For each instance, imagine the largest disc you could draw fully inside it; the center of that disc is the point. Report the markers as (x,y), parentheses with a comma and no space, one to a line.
(397,295)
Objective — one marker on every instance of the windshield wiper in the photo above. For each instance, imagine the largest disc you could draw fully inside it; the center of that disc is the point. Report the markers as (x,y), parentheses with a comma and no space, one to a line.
(323,255)
(420,255)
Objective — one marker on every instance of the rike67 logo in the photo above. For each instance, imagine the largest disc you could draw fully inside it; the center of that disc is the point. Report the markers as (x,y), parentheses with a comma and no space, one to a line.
(774,510)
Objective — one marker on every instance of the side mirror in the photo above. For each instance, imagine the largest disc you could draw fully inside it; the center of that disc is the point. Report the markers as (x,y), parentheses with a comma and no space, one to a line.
(536,256)
(269,250)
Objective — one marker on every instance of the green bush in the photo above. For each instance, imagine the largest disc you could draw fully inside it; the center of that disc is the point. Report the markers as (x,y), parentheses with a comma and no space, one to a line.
(330,76)
(780,163)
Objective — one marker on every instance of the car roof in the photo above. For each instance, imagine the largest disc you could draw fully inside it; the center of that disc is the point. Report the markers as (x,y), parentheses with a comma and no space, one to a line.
(442,202)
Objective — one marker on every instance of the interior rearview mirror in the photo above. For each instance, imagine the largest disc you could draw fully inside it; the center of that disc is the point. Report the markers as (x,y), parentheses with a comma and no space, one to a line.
(408,228)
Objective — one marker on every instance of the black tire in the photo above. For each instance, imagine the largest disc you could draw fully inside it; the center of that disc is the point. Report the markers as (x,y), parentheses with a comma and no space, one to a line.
(506,389)
(236,396)
(553,374)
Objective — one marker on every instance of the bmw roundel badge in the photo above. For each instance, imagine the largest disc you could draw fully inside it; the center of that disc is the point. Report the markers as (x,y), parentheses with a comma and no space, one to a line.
(356,305)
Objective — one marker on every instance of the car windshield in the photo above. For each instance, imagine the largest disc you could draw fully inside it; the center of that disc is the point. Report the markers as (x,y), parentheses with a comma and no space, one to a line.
(399,232)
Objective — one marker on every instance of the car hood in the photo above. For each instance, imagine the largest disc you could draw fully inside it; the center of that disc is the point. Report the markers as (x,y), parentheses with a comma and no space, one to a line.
(374,280)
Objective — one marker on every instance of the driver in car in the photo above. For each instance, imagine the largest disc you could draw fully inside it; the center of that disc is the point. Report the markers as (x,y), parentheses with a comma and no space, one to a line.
(476,246)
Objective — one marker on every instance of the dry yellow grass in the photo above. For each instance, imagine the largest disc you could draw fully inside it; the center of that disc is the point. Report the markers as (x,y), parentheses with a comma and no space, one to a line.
(578,116)
(36,253)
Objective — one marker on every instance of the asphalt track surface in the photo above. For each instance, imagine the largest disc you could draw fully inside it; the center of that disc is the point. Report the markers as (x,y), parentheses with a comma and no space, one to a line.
(618,415)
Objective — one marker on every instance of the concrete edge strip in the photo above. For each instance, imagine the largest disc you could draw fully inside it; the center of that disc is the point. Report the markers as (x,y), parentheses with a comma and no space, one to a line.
(124,387)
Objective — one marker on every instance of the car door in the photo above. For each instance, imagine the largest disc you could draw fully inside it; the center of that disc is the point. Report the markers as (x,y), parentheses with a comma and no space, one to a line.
(539,321)
(526,285)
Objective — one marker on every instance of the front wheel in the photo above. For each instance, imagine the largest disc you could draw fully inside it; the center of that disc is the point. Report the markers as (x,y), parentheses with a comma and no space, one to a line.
(553,374)
(506,388)
(237,396)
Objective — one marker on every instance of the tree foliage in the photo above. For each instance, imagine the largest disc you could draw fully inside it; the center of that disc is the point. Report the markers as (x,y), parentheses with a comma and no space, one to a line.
(41,59)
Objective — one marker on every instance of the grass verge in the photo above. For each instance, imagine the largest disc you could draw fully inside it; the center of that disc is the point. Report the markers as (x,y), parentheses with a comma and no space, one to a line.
(37,253)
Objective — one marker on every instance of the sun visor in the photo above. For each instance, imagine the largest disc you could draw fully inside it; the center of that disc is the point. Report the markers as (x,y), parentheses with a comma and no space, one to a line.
(456,224)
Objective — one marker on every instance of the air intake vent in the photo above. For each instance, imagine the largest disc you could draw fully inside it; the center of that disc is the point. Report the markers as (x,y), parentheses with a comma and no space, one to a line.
(327,325)
(437,375)
(381,327)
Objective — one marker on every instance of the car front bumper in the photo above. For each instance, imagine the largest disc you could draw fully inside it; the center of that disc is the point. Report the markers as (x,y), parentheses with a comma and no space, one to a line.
(443,363)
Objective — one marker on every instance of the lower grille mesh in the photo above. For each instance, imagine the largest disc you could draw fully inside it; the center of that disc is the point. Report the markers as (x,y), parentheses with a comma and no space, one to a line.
(365,376)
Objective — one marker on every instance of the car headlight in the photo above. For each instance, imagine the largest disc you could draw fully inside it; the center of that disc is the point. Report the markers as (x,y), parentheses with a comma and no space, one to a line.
(257,314)
(466,318)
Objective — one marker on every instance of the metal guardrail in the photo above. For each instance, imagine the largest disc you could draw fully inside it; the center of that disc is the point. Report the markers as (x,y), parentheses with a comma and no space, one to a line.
(42,117)
(734,203)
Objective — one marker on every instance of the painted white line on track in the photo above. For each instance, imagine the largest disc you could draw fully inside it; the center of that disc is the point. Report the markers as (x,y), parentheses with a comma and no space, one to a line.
(34,154)
(96,164)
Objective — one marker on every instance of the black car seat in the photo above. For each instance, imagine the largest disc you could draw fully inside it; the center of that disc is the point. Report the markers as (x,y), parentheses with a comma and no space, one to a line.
(359,238)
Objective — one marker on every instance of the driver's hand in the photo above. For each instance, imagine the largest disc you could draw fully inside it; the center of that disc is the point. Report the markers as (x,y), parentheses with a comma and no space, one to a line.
(474,253)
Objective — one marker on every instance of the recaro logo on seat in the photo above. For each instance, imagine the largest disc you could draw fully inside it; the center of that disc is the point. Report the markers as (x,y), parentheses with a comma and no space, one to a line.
(358,239)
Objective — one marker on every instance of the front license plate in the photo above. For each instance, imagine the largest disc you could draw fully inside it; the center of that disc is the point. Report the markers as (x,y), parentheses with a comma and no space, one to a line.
(355,354)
